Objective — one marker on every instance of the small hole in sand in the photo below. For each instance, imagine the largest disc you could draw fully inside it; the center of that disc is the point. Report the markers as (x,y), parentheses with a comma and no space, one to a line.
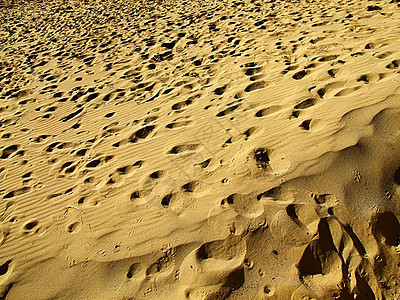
(267,290)
(31,225)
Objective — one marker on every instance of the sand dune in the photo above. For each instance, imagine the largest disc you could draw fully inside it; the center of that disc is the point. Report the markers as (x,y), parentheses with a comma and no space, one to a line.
(200,150)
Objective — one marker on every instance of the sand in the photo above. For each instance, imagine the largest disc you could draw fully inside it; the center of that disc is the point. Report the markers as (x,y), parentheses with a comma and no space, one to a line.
(200,150)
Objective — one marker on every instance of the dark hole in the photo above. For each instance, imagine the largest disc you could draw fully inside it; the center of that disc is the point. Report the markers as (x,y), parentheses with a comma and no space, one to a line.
(138,163)
(306,124)
(144,132)
(122,170)
(135,195)
(4,267)
(31,225)
(93,163)
(202,252)
(219,91)
(67,164)
(189,187)
(299,75)
(291,211)
(9,195)
(81,152)
(132,270)
(27,175)
(205,163)
(156,174)
(305,104)
(166,200)
(261,157)
(230,199)
(321,92)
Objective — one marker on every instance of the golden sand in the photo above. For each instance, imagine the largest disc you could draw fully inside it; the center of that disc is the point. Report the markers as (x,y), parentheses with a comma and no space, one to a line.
(200,150)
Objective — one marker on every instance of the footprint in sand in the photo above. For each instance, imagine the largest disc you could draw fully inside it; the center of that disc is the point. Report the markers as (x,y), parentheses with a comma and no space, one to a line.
(6,269)
(296,224)
(332,251)
(185,148)
(214,264)
(244,205)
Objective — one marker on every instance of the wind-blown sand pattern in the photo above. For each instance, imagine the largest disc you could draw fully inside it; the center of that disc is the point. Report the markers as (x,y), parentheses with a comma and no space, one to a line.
(200,150)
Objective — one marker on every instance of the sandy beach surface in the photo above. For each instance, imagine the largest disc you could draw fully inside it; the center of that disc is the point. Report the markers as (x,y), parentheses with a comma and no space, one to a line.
(200,149)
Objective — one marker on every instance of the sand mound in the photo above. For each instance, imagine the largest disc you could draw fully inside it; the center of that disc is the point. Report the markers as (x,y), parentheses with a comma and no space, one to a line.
(200,150)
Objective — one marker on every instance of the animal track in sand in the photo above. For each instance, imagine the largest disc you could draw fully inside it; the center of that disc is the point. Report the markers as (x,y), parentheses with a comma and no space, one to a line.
(133,270)
(17,192)
(328,58)
(32,227)
(5,269)
(74,227)
(9,151)
(185,148)
(5,273)
(322,92)
(314,124)
(261,156)
(221,90)
(372,77)
(99,161)
(347,91)
(306,103)
(252,68)
(166,200)
(72,115)
(58,145)
(216,263)
(197,187)
(141,133)
(181,105)
(394,64)
(278,193)
(245,136)
(268,111)
(4,233)
(179,124)
(303,215)
(386,229)
(300,75)
(244,205)
(139,197)
(297,224)
(163,264)
(257,85)
(335,248)
(228,111)
(126,170)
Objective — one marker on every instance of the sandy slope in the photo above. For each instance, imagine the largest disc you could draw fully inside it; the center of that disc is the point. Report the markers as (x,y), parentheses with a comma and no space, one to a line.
(200,150)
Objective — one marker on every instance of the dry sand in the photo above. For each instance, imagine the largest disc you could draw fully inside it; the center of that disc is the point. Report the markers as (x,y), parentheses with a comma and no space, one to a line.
(200,150)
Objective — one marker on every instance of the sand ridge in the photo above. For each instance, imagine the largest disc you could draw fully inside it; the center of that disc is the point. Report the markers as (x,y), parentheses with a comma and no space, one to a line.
(199,150)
